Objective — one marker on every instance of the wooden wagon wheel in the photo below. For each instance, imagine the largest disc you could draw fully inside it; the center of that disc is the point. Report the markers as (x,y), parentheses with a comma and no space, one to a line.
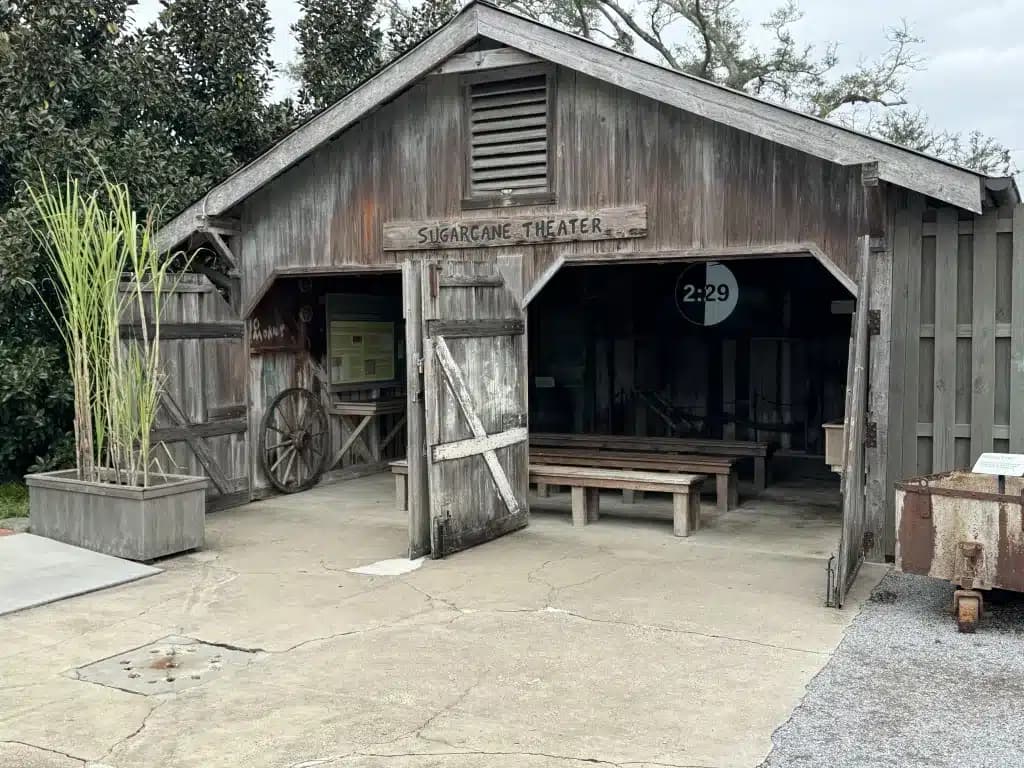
(294,440)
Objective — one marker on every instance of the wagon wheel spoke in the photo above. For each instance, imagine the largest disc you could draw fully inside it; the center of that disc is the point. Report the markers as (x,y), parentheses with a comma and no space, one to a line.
(283,413)
(281,458)
(284,444)
(288,466)
(306,461)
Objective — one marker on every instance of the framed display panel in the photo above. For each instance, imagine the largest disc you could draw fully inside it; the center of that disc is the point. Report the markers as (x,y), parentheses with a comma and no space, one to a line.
(363,341)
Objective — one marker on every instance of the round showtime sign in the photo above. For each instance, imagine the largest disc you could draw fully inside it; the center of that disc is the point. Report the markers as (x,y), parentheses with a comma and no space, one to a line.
(706,294)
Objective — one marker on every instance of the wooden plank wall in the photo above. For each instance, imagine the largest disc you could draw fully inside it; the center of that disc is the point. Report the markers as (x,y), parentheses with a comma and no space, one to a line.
(957,363)
(705,185)
(206,378)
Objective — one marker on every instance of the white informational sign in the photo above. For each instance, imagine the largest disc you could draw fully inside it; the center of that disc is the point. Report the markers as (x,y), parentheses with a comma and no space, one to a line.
(1007,464)
(706,294)
(361,351)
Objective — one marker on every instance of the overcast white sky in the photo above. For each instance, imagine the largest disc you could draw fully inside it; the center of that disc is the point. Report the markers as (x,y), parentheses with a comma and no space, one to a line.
(975,52)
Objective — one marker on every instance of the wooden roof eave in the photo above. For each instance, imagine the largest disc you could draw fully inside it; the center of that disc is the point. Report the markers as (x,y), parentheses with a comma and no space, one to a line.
(897,165)
(386,84)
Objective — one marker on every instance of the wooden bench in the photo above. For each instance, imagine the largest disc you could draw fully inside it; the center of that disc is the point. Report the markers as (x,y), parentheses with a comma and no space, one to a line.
(722,467)
(757,451)
(585,484)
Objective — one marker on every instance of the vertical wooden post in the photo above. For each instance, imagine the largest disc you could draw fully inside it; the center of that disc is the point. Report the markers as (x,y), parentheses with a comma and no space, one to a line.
(880,509)
(417,500)
(879,463)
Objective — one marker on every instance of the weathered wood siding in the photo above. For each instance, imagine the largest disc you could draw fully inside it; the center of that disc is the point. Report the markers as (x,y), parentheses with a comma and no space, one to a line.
(204,361)
(956,385)
(705,184)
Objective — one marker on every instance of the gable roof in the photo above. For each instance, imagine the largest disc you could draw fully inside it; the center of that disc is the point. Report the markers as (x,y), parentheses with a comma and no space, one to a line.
(903,167)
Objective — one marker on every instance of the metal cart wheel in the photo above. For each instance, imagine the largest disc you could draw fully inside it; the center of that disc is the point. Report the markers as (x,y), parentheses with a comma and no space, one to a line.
(294,440)
(967,608)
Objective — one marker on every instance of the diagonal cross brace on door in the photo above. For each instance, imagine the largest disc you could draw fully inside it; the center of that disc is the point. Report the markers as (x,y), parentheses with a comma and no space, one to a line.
(481,443)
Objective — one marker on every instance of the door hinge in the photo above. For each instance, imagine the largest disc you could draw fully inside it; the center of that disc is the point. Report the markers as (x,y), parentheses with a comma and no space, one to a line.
(419,365)
(874,322)
(871,434)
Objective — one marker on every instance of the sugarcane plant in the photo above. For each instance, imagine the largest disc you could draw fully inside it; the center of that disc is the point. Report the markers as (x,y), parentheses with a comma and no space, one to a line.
(106,269)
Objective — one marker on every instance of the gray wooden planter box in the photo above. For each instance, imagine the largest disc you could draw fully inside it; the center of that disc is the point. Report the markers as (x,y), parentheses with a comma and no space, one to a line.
(124,521)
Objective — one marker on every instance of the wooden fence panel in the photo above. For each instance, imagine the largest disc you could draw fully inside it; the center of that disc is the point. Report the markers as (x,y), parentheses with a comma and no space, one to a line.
(958,338)
(203,419)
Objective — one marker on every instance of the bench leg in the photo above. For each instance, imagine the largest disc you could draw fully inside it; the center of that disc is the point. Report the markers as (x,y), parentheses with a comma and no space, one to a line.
(543,490)
(734,490)
(682,513)
(694,493)
(760,473)
(722,492)
(593,504)
(585,505)
(401,492)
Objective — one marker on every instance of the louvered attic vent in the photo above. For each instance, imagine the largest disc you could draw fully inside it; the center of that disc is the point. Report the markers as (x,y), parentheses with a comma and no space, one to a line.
(509,144)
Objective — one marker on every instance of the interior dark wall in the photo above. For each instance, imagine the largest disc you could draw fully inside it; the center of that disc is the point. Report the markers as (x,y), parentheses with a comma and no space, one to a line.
(600,335)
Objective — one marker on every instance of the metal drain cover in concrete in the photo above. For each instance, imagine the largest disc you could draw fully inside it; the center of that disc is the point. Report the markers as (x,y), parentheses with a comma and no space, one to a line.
(168,665)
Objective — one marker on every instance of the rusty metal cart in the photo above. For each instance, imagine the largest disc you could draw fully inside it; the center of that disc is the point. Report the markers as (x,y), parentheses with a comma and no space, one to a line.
(967,528)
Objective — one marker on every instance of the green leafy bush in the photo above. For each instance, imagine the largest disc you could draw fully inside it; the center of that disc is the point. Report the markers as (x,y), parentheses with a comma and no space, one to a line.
(35,408)
(13,500)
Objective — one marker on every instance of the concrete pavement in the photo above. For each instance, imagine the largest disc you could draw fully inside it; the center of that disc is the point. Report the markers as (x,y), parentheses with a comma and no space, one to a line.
(617,644)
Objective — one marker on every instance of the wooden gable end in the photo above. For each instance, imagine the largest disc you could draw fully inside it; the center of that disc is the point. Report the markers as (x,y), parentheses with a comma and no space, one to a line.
(705,185)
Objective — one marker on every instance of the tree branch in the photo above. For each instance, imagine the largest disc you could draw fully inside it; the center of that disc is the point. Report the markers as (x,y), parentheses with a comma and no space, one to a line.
(649,38)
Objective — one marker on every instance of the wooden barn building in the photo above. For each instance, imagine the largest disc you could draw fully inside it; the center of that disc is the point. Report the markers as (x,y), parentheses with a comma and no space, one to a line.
(512,237)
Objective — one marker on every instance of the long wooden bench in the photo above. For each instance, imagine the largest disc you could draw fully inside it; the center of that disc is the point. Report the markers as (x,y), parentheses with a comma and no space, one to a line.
(585,484)
(722,467)
(757,451)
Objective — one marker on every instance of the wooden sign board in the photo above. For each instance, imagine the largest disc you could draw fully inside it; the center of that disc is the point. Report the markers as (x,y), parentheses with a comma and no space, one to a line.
(275,325)
(517,229)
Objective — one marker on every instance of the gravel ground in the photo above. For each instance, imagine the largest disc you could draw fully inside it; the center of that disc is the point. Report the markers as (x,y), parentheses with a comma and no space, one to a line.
(904,688)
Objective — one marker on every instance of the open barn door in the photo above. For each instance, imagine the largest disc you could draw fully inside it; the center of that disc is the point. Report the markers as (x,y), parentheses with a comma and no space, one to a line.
(474,405)
(853,534)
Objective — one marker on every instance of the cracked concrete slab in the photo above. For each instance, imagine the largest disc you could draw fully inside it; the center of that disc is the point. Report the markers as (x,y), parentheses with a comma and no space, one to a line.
(13,753)
(618,644)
